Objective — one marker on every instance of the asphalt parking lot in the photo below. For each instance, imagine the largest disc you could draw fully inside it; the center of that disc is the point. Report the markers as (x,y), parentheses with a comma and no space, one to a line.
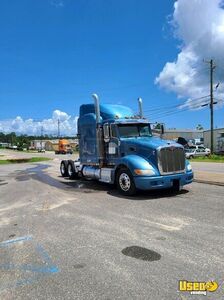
(62,239)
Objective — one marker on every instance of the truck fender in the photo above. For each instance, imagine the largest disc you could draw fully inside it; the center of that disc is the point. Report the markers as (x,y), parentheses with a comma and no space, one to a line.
(133,162)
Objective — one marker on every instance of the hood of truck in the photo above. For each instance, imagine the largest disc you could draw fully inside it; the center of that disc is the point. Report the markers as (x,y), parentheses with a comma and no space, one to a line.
(148,142)
(144,146)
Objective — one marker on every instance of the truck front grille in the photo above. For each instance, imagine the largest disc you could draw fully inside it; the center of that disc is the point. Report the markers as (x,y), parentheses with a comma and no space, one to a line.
(171,160)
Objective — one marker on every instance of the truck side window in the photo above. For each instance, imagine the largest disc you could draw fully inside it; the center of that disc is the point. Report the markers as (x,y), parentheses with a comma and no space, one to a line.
(113,131)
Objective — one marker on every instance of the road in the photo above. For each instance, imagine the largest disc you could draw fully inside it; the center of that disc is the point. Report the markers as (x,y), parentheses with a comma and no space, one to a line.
(62,239)
(208,167)
(12,154)
(207,172)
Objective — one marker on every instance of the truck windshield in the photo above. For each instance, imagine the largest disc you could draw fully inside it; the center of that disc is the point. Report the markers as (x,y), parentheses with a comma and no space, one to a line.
(134,130)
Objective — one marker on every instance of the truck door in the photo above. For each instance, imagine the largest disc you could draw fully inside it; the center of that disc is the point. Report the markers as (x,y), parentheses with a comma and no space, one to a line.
(114,144)
(111,142)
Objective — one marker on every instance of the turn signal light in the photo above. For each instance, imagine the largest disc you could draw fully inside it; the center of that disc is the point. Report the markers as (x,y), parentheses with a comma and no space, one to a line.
(144,172)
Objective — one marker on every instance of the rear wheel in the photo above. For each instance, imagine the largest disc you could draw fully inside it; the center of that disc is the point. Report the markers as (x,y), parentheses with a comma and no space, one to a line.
(64,168)
(72,174)
(125,182)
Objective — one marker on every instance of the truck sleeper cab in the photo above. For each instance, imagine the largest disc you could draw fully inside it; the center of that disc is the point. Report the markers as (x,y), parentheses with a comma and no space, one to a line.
(116,146)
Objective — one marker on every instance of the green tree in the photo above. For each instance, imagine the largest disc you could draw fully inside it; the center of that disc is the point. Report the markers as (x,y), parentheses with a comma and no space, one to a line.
(199,127)
(157,126)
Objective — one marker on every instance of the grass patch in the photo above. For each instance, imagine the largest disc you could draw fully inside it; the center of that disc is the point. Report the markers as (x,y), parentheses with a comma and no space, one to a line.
(23,160)
(211,158)
(37,159)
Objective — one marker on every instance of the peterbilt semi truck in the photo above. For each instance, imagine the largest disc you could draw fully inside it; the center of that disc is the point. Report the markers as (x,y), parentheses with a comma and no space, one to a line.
(118,147)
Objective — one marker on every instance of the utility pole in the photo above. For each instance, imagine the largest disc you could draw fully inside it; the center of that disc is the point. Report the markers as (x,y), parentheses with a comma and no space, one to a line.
(58,128)
(212,67)
(41,142)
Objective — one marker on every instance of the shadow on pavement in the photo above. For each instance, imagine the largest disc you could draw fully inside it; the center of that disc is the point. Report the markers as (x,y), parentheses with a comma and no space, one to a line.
(149,195)
(81,185)
(89,186)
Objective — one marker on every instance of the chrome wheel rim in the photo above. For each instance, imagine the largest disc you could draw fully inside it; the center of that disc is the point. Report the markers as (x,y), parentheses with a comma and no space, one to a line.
(124,182)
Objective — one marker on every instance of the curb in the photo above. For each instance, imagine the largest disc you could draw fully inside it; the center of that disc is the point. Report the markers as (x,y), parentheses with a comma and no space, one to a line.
(209,182)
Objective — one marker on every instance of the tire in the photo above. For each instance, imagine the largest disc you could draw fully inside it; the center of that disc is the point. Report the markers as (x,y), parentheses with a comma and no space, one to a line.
(125,182)
(191,156)
(64,168)
(71,170)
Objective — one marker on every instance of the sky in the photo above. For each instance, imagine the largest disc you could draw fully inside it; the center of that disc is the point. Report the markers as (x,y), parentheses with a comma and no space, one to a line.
(55,53)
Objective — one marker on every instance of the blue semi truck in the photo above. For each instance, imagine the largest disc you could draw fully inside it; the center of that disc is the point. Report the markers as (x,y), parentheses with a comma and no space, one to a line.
(118,147)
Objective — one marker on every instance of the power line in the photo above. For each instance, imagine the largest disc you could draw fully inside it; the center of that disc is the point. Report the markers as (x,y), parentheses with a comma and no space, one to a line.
(173,112)
(161,107)
(174,109)
(220,100)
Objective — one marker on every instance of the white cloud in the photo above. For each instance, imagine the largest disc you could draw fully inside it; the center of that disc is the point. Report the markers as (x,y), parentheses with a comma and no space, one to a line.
(57,3)
(68,125)
(60,115)
(199,26)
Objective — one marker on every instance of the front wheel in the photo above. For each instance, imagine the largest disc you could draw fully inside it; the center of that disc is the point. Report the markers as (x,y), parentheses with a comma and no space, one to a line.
(125,182)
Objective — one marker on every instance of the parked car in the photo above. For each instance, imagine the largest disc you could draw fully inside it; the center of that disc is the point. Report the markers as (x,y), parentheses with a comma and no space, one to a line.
(196,151)
(41,150)
(200,147)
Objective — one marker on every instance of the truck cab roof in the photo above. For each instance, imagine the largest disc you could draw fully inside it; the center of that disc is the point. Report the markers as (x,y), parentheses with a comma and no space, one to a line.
(111,112)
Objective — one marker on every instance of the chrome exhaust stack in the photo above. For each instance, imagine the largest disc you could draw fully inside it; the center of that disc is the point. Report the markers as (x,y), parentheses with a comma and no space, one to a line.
(97,107)
(99,132)
(140,108)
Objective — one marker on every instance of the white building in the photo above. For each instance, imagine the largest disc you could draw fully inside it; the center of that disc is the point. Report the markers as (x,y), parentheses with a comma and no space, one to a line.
(37,144)
(51,145)
(218,139)
(187,134)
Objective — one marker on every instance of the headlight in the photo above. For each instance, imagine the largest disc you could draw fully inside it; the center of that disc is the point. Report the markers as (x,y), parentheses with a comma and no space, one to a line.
(144,172)
(189,167)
